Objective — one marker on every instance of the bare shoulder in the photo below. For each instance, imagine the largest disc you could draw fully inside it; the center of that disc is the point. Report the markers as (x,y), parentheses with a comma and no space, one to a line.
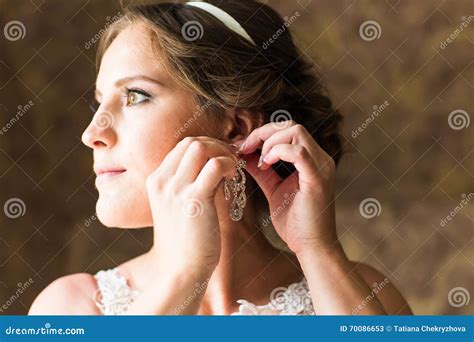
(69,295)
(386,292)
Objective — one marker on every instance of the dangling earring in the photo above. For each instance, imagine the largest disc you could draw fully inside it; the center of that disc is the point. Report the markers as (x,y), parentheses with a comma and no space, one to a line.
(237,186)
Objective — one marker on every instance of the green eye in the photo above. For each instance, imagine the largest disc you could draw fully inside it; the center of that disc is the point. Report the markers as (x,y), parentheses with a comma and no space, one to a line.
(135,96)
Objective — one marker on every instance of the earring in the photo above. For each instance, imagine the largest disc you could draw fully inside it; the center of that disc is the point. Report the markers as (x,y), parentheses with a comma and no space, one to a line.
(237,186)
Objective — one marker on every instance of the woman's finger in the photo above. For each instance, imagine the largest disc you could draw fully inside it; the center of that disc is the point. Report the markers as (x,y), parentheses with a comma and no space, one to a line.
(268,180)
(212,173)
(297,155)
(296,135)
(192,162)
(196,156)
(257,137)
(170,163)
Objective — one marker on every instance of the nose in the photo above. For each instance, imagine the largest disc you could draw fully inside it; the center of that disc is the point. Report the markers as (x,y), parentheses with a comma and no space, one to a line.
(100,133)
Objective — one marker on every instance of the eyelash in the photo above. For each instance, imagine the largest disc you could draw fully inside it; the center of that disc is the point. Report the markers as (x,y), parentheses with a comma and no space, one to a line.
(95,104)
(137,91)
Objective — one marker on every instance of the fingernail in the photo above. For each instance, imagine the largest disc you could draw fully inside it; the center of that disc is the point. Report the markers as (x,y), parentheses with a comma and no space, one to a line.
(260,161)
(235,149)
(242,146)
(240,143)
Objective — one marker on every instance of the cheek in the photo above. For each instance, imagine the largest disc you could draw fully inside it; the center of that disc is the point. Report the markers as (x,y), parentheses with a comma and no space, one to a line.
(142,149)
(149,147)
(143,145)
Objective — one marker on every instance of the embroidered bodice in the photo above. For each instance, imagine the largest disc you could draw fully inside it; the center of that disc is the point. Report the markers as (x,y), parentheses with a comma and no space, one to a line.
(114,296)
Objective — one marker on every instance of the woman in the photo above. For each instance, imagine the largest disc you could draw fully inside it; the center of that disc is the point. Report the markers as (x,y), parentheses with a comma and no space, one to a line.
(212,128)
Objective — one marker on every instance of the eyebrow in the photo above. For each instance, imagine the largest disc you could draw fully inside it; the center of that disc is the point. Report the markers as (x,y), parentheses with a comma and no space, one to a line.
(120,82)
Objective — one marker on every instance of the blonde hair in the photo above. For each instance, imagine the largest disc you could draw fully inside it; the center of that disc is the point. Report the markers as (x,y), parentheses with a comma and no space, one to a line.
(225,71)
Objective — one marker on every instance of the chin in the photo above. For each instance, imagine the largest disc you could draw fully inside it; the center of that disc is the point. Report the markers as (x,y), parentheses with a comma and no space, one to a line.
(121,214)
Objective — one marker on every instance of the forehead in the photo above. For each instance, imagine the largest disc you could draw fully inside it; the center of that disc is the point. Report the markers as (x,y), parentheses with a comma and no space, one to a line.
(130,53)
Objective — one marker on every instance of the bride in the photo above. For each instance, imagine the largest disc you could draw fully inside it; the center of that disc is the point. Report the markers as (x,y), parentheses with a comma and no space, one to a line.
(212,128)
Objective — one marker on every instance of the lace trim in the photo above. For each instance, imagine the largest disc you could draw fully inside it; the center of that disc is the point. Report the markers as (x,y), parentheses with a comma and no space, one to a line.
(292,300)
(114,296)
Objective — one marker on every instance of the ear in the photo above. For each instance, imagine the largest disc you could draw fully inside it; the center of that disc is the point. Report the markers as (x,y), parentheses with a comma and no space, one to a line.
(240,123)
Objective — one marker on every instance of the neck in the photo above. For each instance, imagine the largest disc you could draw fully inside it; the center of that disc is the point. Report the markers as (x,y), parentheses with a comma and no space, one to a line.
(249,267)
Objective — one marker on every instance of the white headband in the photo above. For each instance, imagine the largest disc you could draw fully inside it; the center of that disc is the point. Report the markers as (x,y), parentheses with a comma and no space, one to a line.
(224,17)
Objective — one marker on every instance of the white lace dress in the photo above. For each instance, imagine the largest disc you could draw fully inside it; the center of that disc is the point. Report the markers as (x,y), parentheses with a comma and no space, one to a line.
(114,296)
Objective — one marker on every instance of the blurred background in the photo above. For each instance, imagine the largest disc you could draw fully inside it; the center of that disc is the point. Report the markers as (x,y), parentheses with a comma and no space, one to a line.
(401,72)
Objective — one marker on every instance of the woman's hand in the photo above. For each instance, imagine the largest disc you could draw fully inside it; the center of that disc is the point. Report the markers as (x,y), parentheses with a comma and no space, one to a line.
(181,193)
(301,206)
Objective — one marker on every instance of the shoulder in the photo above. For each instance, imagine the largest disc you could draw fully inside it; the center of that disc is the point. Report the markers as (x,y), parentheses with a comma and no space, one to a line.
(386,292)
(69,295)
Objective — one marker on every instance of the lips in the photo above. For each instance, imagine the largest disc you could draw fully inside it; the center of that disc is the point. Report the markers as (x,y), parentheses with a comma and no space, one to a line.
(107,173)
(110,171)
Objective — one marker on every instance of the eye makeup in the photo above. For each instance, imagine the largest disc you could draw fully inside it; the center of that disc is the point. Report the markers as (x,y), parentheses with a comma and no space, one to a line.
(136,96)
(94,105)
(132,96)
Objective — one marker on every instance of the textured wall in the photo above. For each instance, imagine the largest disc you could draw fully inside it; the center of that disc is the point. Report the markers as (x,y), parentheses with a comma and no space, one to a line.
(411,157)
